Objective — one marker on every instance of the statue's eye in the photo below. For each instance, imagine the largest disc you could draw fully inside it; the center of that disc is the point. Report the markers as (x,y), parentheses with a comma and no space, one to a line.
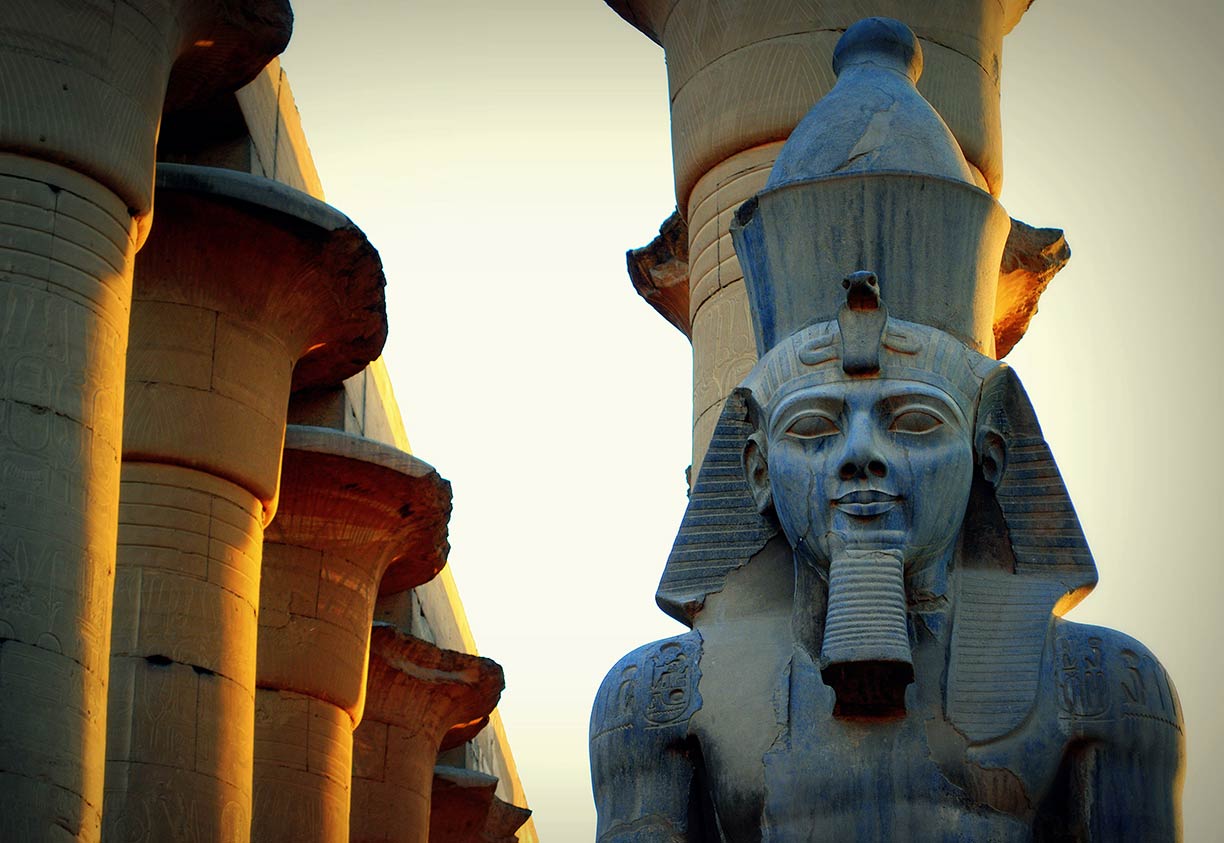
(811,426)
(915,421)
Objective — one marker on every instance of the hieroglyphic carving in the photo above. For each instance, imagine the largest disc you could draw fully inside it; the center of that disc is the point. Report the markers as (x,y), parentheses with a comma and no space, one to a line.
(1147,691)
(672,681)
(1080,676)
(626,692)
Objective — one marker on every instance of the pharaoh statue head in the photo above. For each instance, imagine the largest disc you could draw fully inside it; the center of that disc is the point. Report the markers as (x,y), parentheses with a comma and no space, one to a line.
(877,434)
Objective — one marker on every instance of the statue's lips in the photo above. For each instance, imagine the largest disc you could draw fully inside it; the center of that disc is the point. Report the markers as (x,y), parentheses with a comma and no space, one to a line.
(866,502)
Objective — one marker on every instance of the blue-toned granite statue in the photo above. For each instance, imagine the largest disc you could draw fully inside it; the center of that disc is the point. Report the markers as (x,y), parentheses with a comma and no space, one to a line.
(879,548)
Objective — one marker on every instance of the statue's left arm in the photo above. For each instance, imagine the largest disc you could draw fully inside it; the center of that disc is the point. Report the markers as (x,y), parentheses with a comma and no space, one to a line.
(1126,762)
(643,763)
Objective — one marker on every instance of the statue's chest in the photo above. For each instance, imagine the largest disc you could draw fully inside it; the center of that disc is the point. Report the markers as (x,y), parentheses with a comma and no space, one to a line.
(868,781)
(907,778)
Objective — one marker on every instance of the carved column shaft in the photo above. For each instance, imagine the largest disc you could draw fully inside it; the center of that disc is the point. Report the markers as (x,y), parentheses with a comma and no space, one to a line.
(85,85)
(303,769)
(349,507)
(240,281)
(392,781)
(65,283)
(740,76)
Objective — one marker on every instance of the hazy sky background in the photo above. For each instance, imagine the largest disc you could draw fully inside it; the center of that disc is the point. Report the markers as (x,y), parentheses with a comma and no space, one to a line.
(503,156)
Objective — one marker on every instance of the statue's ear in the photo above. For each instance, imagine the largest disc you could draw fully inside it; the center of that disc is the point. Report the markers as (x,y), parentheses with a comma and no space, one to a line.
(1002,407)
(992,456)
(756,472)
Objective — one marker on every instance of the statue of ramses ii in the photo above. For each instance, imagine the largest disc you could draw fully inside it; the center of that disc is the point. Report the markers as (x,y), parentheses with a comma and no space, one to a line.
(878,550)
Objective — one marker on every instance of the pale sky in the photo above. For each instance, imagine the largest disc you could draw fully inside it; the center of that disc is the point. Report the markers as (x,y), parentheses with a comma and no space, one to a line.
(503,156)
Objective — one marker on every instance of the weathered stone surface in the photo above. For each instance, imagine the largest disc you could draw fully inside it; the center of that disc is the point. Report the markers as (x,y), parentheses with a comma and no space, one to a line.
(303,768)
(1031,259)
(350,507)
(460,734)
(503,821)
(245,281)
(874,563)
(459,805)
(242,279)
(417,693)
(659,272)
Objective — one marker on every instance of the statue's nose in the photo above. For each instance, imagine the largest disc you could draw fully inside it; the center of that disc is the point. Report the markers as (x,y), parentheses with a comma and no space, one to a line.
(862,457)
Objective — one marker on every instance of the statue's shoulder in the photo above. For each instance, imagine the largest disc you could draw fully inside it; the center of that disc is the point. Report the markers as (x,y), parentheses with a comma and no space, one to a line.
(651,690)
(1120,713)
(642,757)
(1112,688)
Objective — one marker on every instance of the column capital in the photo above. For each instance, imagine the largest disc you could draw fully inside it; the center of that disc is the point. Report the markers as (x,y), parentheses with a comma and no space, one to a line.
(94,78)
(416,685)
(243,280)
(349,508)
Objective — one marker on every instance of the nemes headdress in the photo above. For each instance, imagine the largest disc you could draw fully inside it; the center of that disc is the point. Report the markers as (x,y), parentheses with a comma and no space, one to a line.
(870,193)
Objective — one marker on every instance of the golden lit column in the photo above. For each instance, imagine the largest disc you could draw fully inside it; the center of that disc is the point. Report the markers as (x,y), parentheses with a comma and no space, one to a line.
(417,693)
(83,88)
(242,280)
(741,74)
(349,507)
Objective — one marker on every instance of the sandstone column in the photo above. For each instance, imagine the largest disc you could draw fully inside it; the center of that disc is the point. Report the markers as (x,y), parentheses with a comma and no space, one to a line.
(417,693)
(503,822)
(349,507)
(242,279)
(741,75)
(459,804)
(84,87)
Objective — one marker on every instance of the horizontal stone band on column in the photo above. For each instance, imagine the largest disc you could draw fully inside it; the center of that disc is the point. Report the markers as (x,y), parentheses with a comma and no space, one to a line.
(66,250)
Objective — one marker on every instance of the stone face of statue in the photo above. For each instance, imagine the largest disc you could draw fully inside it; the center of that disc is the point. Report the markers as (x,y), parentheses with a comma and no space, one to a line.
(865,463)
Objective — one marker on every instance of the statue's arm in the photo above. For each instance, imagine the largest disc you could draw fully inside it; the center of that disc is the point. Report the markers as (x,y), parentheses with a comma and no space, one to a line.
(642,770)
(1128,766)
